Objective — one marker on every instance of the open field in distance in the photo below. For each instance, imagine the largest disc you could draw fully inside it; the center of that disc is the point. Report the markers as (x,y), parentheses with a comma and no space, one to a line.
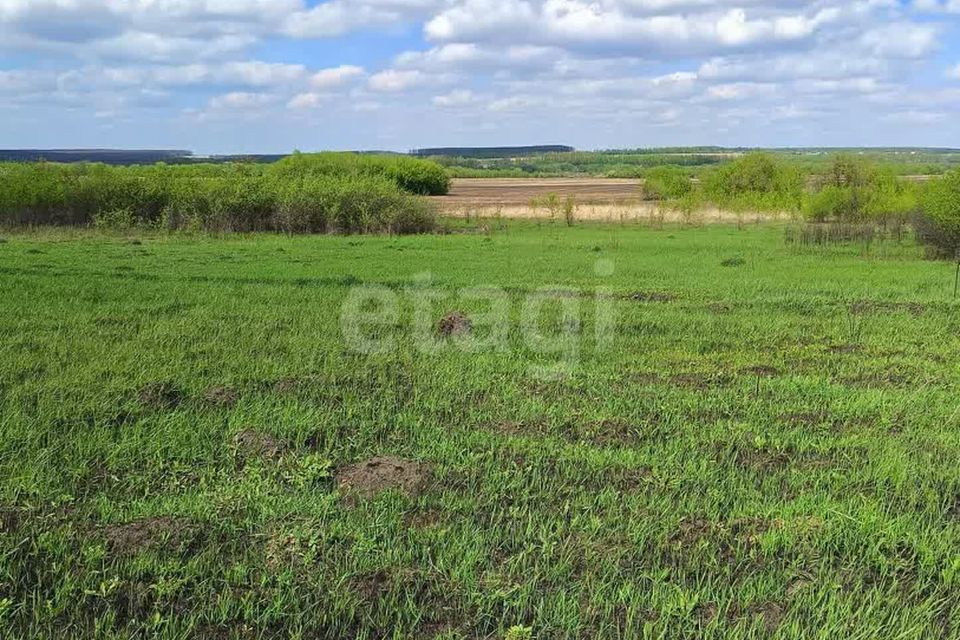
(598,199)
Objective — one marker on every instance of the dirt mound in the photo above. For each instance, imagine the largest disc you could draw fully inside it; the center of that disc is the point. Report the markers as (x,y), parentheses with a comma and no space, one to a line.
(761,371)
(251,443)
(369,478)
(772,614)
(424,519)
(219,396)
(284,386)
(9,520)
(454,324)
(160,395)
(149,533)
(651,296)
(867,307)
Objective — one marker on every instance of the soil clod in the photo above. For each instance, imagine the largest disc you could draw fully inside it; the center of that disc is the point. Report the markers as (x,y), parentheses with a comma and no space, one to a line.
(149,533)
(651,296)
(372,477)
(160,395)
(220,396)
(251,443)
(454,324)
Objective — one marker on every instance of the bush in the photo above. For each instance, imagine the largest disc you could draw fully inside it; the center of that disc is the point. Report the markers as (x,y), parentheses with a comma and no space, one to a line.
(420,177)
(831,202)
(938,222)
(755,182)
(234,197)
(666,183)
(854,190)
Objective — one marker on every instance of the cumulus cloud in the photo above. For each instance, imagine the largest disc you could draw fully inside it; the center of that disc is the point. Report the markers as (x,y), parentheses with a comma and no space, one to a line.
(613,26)
(938,6)
(336,17)
(306,101)
(683,68)
(394,80)
(901,40)
(456,98)
(240,100)
(335,76)
(514,103)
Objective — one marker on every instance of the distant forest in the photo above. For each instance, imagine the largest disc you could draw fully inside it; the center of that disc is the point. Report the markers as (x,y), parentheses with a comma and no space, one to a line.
(492,152)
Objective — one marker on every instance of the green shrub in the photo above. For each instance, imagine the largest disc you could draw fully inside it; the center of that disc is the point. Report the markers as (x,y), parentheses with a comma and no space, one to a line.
(831,202)
(666,183)
(239,197)
(118,219)
(852,189)
(938,222)
(421,177)
(755,182)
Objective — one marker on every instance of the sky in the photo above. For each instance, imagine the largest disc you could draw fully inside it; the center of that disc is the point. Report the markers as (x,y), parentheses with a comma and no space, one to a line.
(271,76)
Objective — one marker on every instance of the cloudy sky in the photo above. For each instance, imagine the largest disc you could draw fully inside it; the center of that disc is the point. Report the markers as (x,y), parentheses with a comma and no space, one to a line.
(241,76)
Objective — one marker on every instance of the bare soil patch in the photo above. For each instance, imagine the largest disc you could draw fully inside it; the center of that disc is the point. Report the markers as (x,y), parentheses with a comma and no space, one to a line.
(284,386)
(162,532)
(761,371)
(423,519)
(454,324)
(253,444)
(651,296)
(382,473)
(219,396)
(867,307)
(9,520)
(772,614)
(160,395)
(700,381)
(506,191)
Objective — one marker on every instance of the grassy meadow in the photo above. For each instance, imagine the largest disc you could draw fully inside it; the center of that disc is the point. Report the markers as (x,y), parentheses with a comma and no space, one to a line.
(764,446)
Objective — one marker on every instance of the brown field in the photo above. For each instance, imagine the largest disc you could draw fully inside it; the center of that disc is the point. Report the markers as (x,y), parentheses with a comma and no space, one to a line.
(519,191)
(610,199)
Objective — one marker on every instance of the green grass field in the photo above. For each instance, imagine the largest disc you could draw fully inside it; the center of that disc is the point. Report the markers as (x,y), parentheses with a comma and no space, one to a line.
(765,446)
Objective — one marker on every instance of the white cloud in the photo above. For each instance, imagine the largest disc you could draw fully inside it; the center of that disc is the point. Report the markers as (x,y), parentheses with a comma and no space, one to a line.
(514,103)
(394,80)
(686,70)
(916,117)
(938,6)
(901,40)
(240,100)
(739,91)
(336,17)
(250,73)
(456,98)
(306,101)
(255,73)
(335,76)
(611,25)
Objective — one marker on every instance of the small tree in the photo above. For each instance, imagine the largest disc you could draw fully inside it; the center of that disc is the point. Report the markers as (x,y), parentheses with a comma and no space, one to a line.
(757,181)
(938,223)
(666,183)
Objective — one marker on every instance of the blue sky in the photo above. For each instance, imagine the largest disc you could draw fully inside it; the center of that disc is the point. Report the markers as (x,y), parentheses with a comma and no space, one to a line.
(245,76)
